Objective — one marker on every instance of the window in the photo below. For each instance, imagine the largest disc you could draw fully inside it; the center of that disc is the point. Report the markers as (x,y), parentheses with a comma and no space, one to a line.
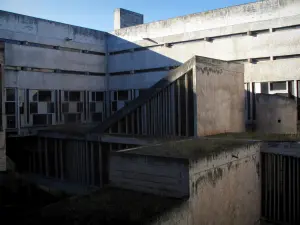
(66,96)
(122,95)
(10,94)
(97,117)
(264,87)
(9,108)
(74,96)
(50,107)
(33,107)
(65,107)
(278,86)
(42,119)
(79,106)
(99,96)
(44,96)
(11,122)
(72,117)
(114,106)
(92,106)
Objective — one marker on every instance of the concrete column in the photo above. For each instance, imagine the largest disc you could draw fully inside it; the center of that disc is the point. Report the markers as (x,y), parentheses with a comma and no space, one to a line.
(100,164)
(91,149)
(179,107)
(56,157)
(39,151)
(173,117)
(46,157)
(186,104)
(61,160)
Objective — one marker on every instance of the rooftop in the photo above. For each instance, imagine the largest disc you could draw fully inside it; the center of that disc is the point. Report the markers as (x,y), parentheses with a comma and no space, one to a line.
(190,149)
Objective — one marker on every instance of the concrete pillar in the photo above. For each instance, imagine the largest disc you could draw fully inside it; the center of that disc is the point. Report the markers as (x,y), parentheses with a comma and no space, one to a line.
(39,150)
(61,160)
(186,104)
(179,107)
(56,157)
(91,149)
(46,157)
(100,164)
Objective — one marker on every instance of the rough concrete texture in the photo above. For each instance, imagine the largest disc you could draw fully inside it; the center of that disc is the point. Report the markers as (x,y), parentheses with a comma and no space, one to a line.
(157,175)
(225,189)
(125,18)
(256,11)
(20,27)
(275,114)
(219,97)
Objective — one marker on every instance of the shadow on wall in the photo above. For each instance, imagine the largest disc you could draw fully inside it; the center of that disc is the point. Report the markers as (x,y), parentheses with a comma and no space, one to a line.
(132,66)
(271,113)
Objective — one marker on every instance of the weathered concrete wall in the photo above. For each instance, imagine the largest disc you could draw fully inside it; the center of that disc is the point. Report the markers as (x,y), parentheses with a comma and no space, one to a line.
(26,28)
(219,97)
(257,11)
(28,56)
(150,174)
(125,18)
(275,114)
(54,81)
(224,189)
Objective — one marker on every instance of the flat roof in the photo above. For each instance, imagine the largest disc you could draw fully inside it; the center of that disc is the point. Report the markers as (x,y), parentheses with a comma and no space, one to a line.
(189,149)
(108,206)
(258,136)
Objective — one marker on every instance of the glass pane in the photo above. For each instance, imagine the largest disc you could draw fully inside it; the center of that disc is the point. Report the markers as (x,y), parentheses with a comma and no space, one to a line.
(74,96)
(277,86)
(44,96)
(9,108)
(10,94)
(99,96)
(122,95)
(33,107)
(40,119)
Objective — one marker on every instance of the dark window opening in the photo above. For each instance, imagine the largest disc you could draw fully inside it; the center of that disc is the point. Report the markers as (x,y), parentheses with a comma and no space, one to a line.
(99,96)
(21,108)
(10,94)
(264,87)
(11,122)
(115,95)
(277,86)
(44,96)
(92,107)
(72,117)
(35,97)
(65,107)
(93,96)
(74,96)
(114,106)
(122,95)
(33,107)
(66,96)
(10,108)
(40,119)
(97,117)
(50,107)
(79,107)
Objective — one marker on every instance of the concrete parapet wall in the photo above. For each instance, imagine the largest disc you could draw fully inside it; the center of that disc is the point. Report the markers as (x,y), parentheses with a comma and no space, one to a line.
(256,11)
(224,189)
(219,97)
(157,175)
(28,56)
(275,114)
(26,28)
(54,81)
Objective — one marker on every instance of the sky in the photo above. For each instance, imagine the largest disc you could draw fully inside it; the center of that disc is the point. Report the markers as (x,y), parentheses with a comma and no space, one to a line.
(98,14)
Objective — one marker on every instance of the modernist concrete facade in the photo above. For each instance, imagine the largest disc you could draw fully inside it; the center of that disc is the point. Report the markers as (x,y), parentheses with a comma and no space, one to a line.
(55,73)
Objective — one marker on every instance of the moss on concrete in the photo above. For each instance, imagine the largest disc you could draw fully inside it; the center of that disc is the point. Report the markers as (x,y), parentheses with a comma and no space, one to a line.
(190,149)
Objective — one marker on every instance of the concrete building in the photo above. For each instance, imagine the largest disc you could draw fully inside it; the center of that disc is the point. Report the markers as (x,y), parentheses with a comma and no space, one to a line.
(58,74)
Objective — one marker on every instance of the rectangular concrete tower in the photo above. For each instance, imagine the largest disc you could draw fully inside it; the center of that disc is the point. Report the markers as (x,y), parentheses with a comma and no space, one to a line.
(125,18)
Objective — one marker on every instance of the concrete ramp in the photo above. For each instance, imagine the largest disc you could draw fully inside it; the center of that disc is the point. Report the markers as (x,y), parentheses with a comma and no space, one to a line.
(203,96)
